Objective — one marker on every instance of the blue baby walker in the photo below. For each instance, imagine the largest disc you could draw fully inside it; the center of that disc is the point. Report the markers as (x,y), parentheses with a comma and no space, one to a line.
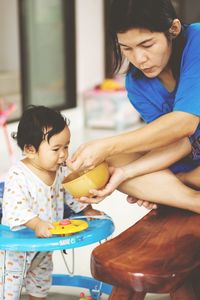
(99,228)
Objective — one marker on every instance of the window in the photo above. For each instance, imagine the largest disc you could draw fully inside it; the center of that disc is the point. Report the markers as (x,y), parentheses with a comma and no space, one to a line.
(108,49)
(47,43)
(10,86)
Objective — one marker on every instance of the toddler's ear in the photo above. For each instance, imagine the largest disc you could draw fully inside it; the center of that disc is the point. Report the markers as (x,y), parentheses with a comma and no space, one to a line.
(29,150)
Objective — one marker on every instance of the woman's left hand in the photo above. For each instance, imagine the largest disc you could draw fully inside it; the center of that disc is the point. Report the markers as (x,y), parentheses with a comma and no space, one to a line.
(117,177)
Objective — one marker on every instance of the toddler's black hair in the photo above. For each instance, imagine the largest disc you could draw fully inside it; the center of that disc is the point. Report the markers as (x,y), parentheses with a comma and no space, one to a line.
(34,122)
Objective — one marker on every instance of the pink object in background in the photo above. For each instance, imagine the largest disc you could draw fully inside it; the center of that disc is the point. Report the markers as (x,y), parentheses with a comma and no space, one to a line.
(5,110)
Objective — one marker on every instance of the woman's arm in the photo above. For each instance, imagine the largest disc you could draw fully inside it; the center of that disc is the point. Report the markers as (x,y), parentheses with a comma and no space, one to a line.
(157,159)
(163,131)
(153,161)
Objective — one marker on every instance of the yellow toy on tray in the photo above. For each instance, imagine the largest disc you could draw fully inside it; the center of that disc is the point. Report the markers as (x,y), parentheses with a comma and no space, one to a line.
(67,226)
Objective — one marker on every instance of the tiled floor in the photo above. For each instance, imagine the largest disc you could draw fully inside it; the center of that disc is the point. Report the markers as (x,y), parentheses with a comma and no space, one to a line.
(123,214)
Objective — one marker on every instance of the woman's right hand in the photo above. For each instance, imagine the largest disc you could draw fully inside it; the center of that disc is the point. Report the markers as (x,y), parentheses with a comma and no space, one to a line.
(88,155)
(146,204)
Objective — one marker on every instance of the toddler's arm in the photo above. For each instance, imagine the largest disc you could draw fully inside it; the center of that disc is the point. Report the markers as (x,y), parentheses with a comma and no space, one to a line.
(40,227)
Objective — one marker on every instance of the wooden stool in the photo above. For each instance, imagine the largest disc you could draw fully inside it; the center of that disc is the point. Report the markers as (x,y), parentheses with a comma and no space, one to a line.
(159,254)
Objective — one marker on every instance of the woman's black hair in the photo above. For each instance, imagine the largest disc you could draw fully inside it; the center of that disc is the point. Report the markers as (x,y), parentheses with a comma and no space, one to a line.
(35,121)
(154,15)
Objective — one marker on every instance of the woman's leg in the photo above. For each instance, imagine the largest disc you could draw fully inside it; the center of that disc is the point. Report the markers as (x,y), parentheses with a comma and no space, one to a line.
(161,187)
(191,178)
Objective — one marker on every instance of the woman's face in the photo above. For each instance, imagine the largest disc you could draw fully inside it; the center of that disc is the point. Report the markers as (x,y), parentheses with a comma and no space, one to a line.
(147,51)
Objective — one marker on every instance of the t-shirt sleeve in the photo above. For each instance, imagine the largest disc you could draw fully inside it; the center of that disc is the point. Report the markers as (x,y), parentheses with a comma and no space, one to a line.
(148,110)
(188,93)
(75,206)
(16,203)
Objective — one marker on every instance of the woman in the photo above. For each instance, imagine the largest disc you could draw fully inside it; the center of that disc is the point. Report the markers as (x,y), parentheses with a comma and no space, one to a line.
(163,84)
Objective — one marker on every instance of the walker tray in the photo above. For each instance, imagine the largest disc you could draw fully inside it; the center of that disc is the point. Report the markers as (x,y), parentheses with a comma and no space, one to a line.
(99,228)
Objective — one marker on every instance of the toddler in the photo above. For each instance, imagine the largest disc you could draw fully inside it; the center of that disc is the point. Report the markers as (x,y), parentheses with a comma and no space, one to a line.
(34,198)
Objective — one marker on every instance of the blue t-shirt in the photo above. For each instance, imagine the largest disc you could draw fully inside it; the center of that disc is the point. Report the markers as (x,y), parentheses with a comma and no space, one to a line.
(152,100)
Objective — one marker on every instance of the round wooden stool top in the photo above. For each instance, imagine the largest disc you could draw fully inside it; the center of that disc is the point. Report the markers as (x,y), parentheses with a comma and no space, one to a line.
(154,255)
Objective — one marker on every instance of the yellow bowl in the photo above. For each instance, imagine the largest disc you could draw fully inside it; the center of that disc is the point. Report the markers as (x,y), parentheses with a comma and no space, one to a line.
(78,184)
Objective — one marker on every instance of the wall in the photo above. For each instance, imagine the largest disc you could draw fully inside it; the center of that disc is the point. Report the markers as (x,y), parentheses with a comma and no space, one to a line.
(90,43)
(9,50)
(192,11)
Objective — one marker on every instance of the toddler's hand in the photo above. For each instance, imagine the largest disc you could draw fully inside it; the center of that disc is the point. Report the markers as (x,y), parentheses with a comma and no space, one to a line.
(42,228)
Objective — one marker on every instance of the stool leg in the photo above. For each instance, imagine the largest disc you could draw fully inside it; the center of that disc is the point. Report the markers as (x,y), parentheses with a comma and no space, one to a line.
(120,294)
(124,294)
(195,278)
(138,296)
(184,292)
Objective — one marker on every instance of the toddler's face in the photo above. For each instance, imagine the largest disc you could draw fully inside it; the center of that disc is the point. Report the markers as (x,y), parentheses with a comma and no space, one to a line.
(53,153)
